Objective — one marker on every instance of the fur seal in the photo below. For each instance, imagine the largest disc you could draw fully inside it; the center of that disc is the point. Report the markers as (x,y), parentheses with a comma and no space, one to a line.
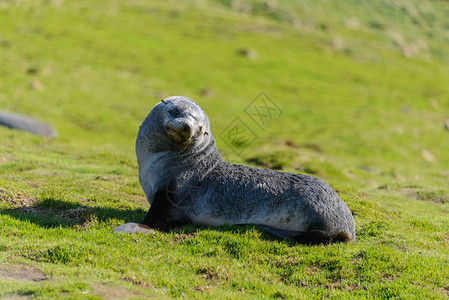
(186,181)
(25,123)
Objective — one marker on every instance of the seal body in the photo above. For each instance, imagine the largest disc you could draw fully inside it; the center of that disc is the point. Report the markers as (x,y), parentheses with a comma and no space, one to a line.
(186,181)
(25,123)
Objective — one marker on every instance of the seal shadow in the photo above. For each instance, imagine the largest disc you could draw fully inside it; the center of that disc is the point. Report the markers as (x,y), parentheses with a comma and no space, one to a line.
(52,213)
(239,230)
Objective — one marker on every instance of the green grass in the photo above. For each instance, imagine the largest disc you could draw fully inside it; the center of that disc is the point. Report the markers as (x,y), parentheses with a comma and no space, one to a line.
(363,90)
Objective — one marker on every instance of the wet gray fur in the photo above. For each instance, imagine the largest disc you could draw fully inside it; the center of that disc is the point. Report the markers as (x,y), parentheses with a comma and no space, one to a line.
(206,190)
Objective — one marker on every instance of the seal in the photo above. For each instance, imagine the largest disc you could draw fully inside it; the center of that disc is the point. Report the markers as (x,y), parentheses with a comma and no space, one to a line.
(25,123)
(186,181)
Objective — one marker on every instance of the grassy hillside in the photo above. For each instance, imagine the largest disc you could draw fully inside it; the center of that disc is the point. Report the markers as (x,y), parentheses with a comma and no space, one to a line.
(363,103)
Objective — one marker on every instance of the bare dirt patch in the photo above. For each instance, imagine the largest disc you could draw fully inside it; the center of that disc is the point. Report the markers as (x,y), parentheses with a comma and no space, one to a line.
(288,262)
(437,196)
(80,216)
(446,290)
(21,203)
(21,272)
(16,297)
(202,288)
(182,237)
(141,283)
(17,199)
(208,274)
(109,291)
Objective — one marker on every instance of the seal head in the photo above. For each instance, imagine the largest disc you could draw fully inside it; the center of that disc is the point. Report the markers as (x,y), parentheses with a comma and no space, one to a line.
(174,124)
(174,130)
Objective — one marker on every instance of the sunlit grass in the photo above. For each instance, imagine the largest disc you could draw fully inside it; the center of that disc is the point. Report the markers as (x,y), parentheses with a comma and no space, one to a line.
(363,91)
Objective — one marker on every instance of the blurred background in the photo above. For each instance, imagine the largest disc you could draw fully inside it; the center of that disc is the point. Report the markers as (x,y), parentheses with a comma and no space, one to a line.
(361,86)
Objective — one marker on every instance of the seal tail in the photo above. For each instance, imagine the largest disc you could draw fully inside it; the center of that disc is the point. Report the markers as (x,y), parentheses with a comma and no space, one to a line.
(311,237)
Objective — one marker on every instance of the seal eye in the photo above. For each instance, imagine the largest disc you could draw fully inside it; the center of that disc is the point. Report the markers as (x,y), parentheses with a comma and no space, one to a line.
(175,112)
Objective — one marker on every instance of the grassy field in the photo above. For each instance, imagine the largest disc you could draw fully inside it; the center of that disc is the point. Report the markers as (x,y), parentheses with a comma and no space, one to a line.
(362,94)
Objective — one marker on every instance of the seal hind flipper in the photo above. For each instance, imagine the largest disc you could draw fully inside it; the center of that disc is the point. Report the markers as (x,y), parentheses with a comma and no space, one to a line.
(158,214)
(311,237)
(316,237)
(278,232)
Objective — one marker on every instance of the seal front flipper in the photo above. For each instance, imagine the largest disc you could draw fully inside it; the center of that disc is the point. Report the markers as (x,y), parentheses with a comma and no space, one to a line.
(156,218)
(158,215)
(311,237)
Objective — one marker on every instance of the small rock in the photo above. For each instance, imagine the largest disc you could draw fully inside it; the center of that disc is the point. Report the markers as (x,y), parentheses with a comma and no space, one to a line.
(446,124)
(428,156)
(133,228)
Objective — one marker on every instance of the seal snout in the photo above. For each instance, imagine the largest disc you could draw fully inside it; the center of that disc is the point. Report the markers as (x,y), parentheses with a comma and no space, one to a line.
(187,128)
(180,130)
